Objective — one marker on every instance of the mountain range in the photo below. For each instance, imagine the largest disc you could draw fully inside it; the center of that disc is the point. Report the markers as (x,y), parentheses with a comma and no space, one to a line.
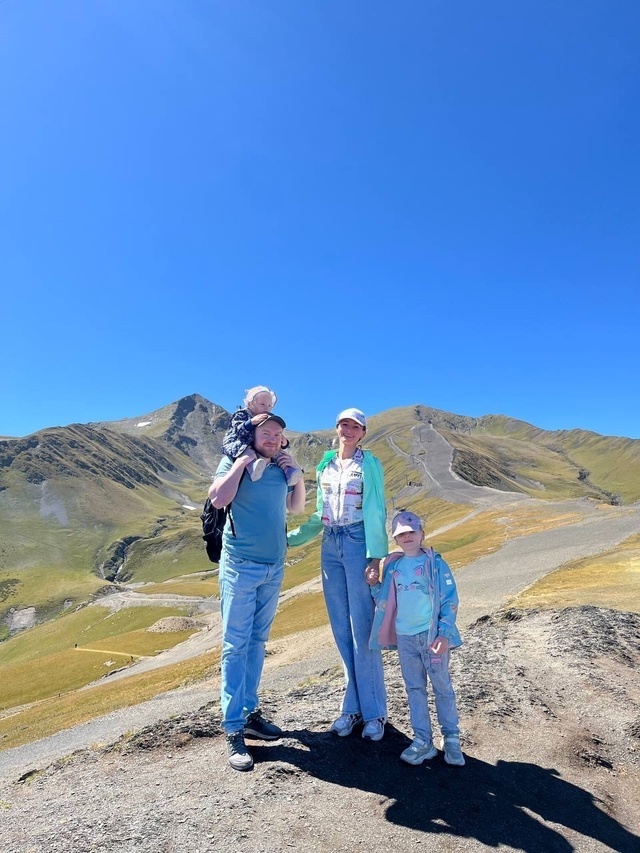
(88,505)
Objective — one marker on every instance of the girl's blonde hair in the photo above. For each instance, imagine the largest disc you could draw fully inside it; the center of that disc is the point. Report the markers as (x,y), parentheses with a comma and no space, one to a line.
(251,393)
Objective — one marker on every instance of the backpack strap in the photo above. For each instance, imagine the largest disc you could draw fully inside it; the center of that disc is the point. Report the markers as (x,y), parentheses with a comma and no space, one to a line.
(231,524)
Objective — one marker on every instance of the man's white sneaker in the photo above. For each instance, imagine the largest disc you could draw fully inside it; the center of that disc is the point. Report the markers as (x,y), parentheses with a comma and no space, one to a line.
(238,755)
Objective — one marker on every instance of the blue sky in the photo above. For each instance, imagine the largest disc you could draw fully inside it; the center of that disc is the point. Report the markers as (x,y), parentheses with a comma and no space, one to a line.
(356,203)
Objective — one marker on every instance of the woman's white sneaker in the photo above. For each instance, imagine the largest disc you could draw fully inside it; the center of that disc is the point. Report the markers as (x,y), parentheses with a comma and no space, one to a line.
(345,724)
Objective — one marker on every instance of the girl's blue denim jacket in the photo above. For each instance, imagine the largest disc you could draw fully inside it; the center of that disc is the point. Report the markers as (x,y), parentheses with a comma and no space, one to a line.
(444,603)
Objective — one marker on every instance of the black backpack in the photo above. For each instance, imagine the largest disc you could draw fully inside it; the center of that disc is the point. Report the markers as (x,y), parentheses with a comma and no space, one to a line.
(213,521)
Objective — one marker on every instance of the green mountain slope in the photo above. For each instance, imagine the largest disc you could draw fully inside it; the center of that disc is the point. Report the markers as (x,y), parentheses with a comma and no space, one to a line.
(86,506)
(86,509)
(512,455)
(73,500)
(609,465)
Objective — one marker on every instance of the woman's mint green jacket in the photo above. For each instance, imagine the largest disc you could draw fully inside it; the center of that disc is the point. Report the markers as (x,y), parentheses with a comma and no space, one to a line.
(373,508)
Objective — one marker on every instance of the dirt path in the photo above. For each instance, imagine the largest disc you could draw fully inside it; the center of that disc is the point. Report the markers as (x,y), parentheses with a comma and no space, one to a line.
(109,652)
(489,583)
(434,457)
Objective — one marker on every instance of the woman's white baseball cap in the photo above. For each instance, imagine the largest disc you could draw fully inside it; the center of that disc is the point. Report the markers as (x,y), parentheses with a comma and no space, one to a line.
(352,415)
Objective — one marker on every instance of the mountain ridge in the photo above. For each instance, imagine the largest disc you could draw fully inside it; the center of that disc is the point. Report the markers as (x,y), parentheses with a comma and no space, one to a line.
(85,498)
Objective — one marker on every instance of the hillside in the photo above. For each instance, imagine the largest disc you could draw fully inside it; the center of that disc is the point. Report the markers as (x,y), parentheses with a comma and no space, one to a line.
(549,699)
(511,455)
(90,511)
(550,714)
(73,500)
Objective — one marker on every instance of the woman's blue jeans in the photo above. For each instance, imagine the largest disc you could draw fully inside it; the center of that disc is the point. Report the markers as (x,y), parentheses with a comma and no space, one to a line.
(248,601)
(417,661)
(350,608)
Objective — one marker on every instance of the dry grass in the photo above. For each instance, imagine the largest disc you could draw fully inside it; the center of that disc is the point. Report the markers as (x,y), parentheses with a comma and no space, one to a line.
(141,643)
(303,564)
(204,587)
(53,715)
(90,625)
(300,614)
(487,532)
(47,660)
(610,580)
(49,716)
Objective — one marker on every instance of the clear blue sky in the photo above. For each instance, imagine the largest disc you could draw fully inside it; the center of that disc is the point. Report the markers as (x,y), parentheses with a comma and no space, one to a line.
(356,202)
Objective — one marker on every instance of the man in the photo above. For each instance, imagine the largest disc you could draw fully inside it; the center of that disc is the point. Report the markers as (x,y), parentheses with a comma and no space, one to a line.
(251,572)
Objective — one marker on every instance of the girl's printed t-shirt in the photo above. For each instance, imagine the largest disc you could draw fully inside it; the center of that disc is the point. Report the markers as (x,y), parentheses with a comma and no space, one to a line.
(341,484)
(413,614)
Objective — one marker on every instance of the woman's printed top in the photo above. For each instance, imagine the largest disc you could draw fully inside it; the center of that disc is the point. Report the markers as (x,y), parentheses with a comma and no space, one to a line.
(341,484)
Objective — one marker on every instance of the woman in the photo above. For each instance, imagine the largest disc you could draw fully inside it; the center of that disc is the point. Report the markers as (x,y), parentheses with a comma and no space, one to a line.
(351,513)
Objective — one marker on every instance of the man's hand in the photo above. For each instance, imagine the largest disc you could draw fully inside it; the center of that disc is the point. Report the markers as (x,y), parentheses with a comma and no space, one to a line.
(248,456)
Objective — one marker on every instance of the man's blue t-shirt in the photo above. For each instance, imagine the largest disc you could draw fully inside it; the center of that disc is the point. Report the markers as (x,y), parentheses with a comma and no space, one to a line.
(259,516)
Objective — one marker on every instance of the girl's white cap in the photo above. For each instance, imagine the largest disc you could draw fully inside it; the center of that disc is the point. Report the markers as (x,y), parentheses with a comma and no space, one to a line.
(405,522)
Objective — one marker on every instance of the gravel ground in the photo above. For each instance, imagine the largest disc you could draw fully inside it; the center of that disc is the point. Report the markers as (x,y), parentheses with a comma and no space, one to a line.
(550,708)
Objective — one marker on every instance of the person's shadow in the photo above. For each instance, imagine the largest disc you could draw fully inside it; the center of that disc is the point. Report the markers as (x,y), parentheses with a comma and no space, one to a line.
(512,803)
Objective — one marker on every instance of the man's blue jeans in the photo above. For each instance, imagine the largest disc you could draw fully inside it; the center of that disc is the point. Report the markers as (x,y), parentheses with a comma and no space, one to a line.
(350,608)
(248,601)
(417,662)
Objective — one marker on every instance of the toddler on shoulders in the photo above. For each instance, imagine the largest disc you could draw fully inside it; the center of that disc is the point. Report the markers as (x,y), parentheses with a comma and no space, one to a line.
(258,403)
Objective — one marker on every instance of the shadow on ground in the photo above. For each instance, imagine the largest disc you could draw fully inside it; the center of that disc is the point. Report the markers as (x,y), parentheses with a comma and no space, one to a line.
(511,803)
